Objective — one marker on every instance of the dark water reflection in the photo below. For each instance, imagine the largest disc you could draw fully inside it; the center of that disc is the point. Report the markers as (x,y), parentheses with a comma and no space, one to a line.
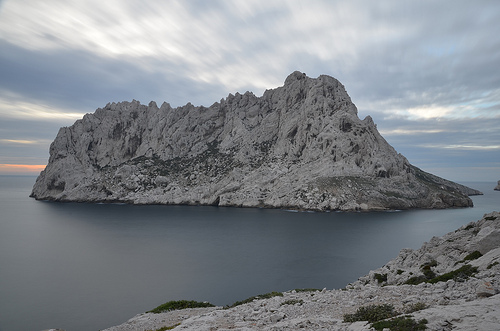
(90,266)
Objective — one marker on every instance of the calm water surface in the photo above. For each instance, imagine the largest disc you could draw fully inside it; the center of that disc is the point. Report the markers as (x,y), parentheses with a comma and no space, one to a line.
(90,266)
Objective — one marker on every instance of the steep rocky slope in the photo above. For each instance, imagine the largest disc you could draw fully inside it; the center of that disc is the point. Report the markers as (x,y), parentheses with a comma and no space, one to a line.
(449,299)
(301,146)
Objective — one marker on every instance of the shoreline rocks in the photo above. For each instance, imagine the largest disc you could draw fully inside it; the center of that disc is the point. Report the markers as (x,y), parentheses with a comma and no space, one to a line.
(457,300)
(299,146)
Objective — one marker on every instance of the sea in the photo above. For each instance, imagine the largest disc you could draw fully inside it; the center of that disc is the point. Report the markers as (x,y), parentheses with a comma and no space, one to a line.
(81,266)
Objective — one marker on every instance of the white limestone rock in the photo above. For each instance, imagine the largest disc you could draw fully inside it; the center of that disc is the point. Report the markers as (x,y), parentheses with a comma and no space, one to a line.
(298,146)
(475,244)
(467,303)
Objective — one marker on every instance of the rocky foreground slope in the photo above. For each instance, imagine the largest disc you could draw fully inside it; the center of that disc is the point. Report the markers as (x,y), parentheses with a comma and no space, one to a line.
(452,282)
(300,146)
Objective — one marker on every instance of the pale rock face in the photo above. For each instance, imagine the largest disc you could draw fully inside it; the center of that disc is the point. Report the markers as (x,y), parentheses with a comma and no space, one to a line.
(446,254)
(462,302)
(299,146)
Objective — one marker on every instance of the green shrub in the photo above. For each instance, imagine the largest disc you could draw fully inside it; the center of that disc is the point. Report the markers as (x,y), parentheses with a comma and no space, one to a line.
(427,269)
(165,328)
(459,274)
(371,313)
(307,290)
(428,273)
(491,265)
(472,256)
(402,323)
(177,305)
(399,272)
(258,297)
(292,302)
(380,277)
(432,263)
(416,307)
(415,280)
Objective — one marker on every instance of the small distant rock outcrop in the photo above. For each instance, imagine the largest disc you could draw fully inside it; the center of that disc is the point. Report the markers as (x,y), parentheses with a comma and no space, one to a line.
(299,146)
(497,188)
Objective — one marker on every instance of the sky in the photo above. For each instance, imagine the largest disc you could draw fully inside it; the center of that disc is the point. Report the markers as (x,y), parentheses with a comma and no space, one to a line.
(427,72)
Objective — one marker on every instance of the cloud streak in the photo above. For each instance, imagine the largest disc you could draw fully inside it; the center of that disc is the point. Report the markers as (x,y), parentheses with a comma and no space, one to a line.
(20,169)
(463,147)
(419,68)
(14,107)
(19,141)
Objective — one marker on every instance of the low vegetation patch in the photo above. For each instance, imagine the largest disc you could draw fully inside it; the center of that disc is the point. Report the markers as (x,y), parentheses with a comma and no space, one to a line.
(165,328)
(380,277)
(401,323)
(181,304)
(292,302)
(257,297)
(371,313)
(416,307)
(492,265)
(307,290)
(427,269)
(472,256)
(459,274)
(432,263)
(415,280)
(384,317)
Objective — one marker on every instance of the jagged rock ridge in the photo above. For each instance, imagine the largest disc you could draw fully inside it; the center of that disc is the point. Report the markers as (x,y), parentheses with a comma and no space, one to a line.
(299,146)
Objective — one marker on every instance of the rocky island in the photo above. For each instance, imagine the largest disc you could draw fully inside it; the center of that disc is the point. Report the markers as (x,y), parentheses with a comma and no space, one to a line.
(450,283)
(298,146)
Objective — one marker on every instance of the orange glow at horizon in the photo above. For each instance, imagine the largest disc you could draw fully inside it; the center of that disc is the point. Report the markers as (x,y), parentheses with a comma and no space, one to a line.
(21,168)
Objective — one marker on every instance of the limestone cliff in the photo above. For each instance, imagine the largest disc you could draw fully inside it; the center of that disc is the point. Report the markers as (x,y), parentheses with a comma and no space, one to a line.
(300,146)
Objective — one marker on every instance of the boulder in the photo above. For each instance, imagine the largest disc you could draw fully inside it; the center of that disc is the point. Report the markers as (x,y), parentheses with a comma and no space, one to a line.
(485,289)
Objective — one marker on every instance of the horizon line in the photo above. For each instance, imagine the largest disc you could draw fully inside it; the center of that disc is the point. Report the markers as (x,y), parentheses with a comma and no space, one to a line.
(20,169)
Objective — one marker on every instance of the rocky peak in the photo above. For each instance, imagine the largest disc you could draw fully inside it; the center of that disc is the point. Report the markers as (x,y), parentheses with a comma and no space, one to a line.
(300,145)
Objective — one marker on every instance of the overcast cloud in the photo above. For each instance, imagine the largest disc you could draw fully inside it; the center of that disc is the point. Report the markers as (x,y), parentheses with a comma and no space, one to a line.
(426,71)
